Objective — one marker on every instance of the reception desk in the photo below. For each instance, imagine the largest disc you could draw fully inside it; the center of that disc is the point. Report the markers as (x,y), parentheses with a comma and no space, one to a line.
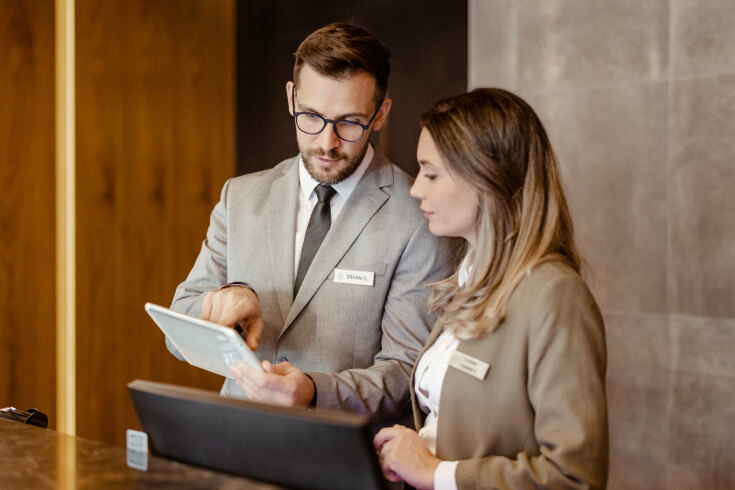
(31,457)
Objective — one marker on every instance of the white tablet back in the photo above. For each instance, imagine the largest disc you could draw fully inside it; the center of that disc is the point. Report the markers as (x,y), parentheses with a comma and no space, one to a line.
(203,344)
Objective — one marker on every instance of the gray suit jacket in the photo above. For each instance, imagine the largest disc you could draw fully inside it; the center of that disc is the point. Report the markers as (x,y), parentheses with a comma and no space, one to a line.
(539,418)
(357,342)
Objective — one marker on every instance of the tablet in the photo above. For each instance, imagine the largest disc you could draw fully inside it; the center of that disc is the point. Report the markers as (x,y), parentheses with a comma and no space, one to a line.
(203,344)
(294,447)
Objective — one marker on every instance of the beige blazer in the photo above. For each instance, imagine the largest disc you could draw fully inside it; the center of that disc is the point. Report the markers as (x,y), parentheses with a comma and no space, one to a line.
(357,342)
(539,418)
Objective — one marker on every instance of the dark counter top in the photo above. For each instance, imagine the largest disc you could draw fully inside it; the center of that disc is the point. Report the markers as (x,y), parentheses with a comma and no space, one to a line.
(32,457)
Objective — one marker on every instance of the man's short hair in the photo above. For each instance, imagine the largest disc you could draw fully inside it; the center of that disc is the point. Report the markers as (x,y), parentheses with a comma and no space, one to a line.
(341,50)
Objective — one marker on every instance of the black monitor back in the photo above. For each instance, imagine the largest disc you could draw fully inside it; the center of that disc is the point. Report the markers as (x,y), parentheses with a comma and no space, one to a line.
(294,447)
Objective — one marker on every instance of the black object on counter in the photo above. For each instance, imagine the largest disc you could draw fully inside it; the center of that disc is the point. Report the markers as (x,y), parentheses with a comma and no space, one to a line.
(31,416)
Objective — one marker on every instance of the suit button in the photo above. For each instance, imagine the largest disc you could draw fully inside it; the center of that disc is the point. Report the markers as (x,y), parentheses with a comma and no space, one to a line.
(281,359)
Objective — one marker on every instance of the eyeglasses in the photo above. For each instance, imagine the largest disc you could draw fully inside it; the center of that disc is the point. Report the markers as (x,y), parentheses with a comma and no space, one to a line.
(313,123)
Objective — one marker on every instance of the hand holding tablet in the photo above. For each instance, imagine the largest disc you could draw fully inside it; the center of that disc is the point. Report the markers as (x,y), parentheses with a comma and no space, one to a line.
(203,344)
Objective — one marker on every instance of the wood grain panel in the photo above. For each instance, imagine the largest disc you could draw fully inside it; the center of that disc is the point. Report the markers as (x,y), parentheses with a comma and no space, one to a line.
(155,143)
(27,260)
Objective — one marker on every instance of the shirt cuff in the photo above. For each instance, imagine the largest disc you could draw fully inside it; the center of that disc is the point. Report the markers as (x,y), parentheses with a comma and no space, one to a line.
(240,284)
(444,476)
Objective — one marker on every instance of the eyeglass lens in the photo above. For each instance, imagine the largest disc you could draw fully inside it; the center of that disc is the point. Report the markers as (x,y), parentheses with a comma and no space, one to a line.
(314,123)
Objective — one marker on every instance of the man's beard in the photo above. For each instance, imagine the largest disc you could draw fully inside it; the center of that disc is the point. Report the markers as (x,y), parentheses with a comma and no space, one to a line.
(334,175)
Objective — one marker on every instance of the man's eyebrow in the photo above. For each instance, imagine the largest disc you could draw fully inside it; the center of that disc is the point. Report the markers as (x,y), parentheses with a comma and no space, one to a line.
(306,108)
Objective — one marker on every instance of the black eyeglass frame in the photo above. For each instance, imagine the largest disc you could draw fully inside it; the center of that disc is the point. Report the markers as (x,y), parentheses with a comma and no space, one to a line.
(334,123)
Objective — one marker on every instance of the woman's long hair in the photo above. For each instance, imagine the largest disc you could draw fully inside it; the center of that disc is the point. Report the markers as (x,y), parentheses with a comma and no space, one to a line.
(495,142)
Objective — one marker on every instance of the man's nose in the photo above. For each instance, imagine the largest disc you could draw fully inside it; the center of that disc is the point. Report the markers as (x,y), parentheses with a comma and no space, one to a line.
(328,139)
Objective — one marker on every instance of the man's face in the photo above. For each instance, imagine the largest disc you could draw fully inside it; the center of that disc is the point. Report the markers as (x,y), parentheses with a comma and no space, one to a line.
(329,159)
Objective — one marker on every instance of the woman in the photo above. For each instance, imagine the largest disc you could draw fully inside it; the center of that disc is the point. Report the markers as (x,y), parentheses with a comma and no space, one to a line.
(509,391)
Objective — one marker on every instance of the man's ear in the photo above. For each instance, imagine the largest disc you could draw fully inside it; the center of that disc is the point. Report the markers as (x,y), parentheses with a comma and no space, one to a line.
(289,93)
(382,114)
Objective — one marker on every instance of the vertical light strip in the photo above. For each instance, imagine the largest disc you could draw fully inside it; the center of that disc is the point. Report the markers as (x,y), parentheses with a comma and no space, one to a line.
(65,220)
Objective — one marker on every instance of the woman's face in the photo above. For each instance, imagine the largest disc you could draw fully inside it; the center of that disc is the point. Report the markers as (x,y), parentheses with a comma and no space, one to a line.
(448,202)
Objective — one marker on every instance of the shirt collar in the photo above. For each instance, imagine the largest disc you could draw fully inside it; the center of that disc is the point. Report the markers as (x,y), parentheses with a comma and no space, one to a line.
(307,183)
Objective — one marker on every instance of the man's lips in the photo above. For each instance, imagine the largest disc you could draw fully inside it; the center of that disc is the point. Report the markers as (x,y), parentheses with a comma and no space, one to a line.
(325,161)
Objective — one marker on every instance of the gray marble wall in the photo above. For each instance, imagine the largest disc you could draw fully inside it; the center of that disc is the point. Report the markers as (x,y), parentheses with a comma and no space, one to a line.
(638,97)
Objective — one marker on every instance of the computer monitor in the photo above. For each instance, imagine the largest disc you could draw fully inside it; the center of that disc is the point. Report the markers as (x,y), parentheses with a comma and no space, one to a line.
(293,447)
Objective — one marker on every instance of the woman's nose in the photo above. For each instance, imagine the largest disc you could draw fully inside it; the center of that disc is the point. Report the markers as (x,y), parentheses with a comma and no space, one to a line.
(415,190)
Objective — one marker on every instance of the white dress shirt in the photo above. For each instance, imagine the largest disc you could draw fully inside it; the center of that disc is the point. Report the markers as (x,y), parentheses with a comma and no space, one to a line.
(430,373)
(307,199)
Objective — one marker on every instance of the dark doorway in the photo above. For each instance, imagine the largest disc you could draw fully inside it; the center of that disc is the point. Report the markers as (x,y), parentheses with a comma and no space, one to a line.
(428,43)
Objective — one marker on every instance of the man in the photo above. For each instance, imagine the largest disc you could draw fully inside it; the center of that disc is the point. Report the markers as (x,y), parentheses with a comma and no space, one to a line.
(351,310)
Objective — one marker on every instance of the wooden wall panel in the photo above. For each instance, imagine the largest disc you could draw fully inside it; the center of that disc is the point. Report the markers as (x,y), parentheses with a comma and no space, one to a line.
(27,249)
(155,143)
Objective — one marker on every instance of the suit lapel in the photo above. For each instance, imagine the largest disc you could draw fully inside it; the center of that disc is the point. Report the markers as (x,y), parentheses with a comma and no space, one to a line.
(364,202)
(282,202)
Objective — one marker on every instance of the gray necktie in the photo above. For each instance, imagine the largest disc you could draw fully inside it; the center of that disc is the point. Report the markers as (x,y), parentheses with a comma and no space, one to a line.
(321,219)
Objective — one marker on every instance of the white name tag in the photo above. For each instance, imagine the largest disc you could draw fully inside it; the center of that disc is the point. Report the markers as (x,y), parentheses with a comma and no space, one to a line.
(468,364)
(137,445)
(361,278)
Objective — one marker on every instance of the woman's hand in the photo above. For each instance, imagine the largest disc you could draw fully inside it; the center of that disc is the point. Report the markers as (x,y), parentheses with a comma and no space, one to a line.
(403,456)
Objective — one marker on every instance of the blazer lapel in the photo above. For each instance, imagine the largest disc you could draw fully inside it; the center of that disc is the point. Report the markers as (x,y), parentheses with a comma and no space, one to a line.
(364,202)
(282,203)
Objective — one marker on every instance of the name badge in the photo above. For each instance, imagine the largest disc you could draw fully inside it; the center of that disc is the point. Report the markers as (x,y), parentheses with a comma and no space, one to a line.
(361,278)
(468,364)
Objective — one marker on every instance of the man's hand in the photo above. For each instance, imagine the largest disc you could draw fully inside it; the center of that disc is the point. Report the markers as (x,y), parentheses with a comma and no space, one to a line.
(235,305)
(278,384)
(403,456)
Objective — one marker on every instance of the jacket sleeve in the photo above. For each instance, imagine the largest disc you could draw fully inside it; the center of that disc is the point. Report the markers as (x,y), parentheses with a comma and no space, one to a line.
(381,391)
(566,387)
(210,269)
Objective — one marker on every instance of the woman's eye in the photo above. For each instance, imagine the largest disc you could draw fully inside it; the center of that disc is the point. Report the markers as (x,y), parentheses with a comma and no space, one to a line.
(430,176)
